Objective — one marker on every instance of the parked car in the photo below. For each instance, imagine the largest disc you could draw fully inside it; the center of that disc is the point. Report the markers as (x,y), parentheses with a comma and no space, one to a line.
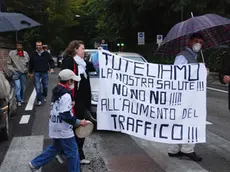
(59,60)
(94,80)
(55,61)
(8,107)
(4,120)
(131,56)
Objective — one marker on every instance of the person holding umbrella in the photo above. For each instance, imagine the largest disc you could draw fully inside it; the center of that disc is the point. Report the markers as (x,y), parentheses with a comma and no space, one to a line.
(191,33)
(187,56)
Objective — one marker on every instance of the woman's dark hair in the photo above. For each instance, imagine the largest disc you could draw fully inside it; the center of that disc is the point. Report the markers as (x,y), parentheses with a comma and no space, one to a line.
(197,35)
(70,50)
(19,42)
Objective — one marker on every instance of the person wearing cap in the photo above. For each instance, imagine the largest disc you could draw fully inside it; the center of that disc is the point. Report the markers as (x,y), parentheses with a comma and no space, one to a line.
(61,125)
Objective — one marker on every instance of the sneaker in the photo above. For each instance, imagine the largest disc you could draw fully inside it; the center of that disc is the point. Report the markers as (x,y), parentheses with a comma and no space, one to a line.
(193,156)
(19,104)
(22,101)
(59,159)
(39,103)
(44,99)
(85,161)
(32,168)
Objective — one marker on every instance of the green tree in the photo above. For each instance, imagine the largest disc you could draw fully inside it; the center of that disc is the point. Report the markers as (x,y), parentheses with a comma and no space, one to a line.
(55,16)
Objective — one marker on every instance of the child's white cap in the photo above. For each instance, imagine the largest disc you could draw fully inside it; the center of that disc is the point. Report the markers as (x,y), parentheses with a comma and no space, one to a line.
(66,75)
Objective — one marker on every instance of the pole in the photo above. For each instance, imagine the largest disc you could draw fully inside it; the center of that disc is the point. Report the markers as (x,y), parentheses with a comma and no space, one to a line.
(182,13)
(16,36)
(192,14)
(182,10)
(202,55)
(229,96)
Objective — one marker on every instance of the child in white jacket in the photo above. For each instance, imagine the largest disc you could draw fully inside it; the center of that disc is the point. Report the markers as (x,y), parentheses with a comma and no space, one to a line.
(61,125)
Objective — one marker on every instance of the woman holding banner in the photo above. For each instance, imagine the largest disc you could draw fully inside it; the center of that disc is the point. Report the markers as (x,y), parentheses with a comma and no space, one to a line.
(74,60)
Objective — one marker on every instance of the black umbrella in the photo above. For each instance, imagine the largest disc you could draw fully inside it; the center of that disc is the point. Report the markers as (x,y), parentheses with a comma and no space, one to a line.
(15,22)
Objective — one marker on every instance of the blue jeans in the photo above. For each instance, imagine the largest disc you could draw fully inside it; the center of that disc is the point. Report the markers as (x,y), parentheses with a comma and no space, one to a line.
(69,146)
(20,85)
(43,76)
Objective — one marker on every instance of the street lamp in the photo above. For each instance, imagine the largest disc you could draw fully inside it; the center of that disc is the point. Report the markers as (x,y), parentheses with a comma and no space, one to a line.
(78,16)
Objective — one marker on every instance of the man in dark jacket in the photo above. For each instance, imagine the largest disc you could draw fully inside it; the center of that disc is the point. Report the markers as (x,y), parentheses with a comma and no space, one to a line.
(224,75)
(39,65)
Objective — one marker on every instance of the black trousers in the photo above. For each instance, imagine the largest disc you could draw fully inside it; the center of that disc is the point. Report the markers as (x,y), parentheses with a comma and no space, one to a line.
(80,144)
(82,103)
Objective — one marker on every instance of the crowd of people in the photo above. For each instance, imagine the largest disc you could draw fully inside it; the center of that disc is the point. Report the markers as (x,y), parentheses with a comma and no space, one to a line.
(71,98)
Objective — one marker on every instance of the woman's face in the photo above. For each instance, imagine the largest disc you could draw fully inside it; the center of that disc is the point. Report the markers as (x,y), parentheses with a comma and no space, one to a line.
(81,51)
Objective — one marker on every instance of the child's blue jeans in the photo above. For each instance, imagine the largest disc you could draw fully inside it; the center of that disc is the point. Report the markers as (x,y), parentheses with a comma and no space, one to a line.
(69,146)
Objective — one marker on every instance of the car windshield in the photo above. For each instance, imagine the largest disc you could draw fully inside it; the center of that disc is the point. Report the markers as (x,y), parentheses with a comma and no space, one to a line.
(88,54)
(135,58)
(93,74)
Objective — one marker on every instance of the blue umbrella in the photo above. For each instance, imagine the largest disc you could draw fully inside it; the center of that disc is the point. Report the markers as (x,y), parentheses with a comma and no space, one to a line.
(15,22)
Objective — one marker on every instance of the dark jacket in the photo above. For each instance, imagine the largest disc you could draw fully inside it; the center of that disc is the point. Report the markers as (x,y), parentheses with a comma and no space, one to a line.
(225,70)
(224,67)
(82,95)
(58,92)
(41,63)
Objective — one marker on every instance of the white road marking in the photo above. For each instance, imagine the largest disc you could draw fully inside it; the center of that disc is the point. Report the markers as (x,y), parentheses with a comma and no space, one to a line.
(215,89)
(24,119)
(21,151)
(30,103)
(208,123)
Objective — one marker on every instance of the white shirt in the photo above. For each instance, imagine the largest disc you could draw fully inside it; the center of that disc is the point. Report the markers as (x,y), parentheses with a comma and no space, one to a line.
(180,60)
(58,128)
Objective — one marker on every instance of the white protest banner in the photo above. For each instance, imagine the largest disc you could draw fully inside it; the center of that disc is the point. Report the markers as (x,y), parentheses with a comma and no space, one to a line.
(163,103)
